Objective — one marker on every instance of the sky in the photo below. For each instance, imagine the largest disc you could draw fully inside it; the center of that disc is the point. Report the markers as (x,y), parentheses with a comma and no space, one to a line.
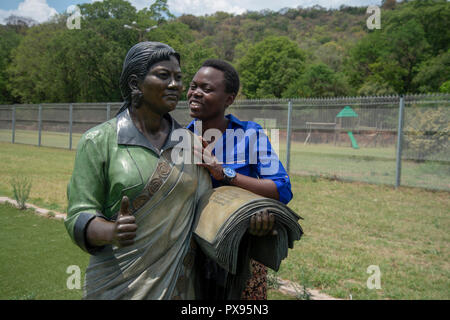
(42,10)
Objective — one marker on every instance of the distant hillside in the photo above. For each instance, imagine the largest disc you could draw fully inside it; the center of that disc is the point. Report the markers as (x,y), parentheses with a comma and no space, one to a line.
(304,52)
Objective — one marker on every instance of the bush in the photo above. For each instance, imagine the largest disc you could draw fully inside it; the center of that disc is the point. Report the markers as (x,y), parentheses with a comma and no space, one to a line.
(21,190)
(426,133)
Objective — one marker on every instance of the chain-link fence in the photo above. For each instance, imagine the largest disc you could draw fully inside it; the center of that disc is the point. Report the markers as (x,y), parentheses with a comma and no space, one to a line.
(353,138)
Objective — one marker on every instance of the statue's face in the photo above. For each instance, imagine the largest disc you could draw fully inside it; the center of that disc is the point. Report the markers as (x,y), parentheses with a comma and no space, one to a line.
(207,96)
(161,89)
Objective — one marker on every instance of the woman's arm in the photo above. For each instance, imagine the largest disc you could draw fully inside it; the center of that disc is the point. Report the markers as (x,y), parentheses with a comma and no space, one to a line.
(263,187)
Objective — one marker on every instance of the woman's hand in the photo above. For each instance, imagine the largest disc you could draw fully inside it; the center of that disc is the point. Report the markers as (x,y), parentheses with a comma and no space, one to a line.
(125,227)
(261,224)
(121,233)
(209,161)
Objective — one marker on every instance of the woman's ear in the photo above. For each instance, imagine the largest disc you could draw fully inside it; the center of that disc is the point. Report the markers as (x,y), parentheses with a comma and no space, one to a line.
(133,82)
(229,100)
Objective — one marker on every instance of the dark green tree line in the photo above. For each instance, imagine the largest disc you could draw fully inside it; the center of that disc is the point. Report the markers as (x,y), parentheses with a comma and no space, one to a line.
(303,52)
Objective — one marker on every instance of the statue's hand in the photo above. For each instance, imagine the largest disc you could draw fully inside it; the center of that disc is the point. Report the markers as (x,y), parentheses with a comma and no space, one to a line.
(261,223)
(125,226)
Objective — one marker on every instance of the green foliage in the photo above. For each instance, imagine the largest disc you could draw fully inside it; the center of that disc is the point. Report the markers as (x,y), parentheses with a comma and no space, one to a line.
(319,80)
(433,73)
(427,133)
(21,190)
(192,57)
(445,87)
(269,67)
(409,54)
(10,40)
(30,73)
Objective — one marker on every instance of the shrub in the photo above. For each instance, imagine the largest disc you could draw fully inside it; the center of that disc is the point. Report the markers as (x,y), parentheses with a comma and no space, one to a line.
(426,133)
(21,190)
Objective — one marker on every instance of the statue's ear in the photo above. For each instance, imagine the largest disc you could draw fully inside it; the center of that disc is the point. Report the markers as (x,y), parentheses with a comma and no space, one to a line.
(133,82)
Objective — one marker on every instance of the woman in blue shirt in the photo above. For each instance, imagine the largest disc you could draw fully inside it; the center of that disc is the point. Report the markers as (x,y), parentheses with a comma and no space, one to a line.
(235,153)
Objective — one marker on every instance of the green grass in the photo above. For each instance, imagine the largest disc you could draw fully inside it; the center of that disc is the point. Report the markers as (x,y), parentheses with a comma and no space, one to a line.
(48,138)
(48,168)
(371,165)
(367,164)
(35,255)
(348,227)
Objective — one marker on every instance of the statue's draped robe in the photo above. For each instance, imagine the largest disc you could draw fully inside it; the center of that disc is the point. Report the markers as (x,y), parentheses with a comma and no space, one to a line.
(114,159)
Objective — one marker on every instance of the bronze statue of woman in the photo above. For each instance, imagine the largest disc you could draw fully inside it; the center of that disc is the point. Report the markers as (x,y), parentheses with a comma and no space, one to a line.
(131,206)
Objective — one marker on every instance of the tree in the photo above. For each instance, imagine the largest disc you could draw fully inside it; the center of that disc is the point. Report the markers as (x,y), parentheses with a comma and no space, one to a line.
(318,80)
(388,4)
(426,133)
(432,73)
(269,67)
(192,56)
(159,11)
(10,40)
(30,71)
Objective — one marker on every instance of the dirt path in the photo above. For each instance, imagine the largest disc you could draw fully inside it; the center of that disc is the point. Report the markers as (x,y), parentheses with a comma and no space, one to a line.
(40,211)
(294,289)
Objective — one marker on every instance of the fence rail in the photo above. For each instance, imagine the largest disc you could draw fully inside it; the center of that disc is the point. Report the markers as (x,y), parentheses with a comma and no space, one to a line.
(392,139)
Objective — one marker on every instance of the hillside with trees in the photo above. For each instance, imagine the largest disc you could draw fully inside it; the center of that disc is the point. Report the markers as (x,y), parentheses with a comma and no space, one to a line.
(302,52)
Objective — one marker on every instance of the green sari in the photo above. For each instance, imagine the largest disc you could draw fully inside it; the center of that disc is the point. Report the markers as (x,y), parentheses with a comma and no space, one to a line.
(114,160)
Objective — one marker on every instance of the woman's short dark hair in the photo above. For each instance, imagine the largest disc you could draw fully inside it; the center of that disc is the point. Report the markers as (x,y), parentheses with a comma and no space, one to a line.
(230,74)
(138,61)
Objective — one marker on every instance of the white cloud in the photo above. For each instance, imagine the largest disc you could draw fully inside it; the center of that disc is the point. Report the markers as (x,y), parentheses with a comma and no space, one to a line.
(37,10)
(202,7)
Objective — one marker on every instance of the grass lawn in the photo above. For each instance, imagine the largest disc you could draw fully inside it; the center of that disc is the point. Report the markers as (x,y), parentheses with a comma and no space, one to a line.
(351,226)
(371,165)
(367,164)
(348,227)
(48,168)
(35,255)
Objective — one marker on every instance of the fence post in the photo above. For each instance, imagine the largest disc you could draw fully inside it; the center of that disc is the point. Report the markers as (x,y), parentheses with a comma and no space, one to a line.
(288,137)
(398,166)
(40,125)
(70,125)
(13,125)
(108,111)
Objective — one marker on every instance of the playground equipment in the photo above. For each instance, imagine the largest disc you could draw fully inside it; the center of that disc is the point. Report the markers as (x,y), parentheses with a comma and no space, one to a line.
(310,126)
(348,112)
(344,119)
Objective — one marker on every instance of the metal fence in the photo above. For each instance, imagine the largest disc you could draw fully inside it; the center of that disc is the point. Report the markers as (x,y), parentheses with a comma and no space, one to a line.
(389,140)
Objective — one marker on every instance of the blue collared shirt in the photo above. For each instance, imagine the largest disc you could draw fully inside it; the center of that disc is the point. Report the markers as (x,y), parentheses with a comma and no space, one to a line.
(245,147)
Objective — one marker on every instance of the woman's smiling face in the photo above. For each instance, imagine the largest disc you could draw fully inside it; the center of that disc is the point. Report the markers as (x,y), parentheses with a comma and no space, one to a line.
(207,96)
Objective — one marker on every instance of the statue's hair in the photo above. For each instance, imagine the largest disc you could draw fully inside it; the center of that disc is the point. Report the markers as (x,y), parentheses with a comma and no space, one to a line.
(138,61)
